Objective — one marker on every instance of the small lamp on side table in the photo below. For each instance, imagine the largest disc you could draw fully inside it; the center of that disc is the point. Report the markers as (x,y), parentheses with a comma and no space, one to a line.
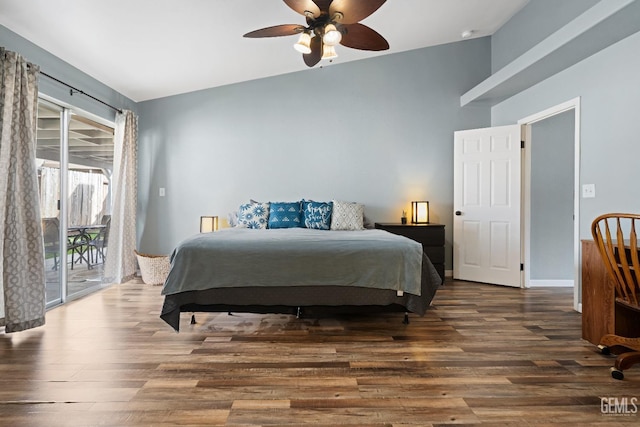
(420,212)
(208,224)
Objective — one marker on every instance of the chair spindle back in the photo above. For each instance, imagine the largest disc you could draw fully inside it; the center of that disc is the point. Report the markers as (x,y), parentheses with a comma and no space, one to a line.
(619,251)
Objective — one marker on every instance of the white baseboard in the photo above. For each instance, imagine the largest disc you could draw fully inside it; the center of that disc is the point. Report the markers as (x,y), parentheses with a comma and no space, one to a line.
(551,283)
(448,273)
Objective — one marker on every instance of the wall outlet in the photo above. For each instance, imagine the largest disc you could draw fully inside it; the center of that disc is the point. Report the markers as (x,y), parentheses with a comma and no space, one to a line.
(161,192)
(588,191)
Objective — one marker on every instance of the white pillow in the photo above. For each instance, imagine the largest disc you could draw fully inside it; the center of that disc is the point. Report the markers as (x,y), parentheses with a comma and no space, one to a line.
(253,215)
(232,218)
(347,216)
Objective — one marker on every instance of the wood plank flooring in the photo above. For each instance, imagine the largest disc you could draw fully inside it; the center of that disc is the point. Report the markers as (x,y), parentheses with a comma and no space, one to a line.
(482,355)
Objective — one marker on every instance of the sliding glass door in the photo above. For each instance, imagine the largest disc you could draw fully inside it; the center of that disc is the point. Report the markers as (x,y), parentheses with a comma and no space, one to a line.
(48,163)
(88,202)
(75,162)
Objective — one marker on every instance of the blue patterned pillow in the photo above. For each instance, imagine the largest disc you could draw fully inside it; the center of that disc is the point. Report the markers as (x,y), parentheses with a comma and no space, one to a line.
(285,215)
(253,215)
(317,215)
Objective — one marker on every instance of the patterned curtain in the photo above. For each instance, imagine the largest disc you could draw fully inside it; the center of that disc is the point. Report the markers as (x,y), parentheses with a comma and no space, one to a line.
(22,276)
(120,264)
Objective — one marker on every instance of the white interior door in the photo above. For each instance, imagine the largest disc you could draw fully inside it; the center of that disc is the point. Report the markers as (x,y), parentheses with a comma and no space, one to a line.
(487,199)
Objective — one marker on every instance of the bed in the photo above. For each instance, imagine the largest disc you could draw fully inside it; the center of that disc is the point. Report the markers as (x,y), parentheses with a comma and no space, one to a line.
(298,271)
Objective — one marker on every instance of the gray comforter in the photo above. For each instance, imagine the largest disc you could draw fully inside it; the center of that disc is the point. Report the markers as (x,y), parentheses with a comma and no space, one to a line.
(301,257)
(286,271)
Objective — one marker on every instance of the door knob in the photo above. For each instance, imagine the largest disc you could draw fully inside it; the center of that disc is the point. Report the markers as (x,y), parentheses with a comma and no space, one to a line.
(458,213)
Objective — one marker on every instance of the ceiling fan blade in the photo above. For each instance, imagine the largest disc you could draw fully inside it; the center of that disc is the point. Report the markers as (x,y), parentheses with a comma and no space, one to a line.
(276,31)
(359,36)
(354,11)
(323,5)
(302,6)
(315,56)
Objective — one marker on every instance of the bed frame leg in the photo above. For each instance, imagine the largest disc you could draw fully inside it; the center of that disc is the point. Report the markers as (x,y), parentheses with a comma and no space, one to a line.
(193,319)
(406,318)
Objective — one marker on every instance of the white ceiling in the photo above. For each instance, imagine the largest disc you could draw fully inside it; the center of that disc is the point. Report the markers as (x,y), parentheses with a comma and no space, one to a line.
(148,49)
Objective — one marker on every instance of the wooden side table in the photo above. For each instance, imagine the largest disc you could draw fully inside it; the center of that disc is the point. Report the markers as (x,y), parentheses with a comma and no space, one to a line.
(431,236)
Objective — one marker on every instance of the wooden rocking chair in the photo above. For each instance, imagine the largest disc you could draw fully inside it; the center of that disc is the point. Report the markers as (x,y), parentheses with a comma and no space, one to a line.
(616,238)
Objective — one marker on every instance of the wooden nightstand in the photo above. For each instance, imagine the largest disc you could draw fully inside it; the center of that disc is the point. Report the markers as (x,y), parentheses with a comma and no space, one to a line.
(431,236)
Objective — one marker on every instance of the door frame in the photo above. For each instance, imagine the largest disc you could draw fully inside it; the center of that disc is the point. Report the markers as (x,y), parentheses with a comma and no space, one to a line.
(573,104)
(67,111)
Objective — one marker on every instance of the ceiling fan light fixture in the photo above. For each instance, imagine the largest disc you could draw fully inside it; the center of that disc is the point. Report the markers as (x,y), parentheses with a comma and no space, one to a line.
(332,23)
(331,35)
(304,43)
(329,52)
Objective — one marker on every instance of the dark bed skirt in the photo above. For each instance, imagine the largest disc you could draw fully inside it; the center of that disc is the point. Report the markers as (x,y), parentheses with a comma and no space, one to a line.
(307,311)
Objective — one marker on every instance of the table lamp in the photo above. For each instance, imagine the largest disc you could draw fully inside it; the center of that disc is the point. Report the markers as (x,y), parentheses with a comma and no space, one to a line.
(208,224)
(420,212)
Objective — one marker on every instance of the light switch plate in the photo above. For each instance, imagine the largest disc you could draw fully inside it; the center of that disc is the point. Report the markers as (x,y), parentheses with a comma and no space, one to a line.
(161,192)
(588,191)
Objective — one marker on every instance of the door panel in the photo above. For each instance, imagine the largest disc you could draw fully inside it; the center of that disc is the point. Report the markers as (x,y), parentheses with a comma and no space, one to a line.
(487,168)
(471,187)
(471,233)
(499,244)
(48,164)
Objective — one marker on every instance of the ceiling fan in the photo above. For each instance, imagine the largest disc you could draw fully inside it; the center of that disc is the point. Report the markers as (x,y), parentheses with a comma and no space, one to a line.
(329,22)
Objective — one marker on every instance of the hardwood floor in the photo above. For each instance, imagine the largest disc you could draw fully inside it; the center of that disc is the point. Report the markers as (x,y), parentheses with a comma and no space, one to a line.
(482,354)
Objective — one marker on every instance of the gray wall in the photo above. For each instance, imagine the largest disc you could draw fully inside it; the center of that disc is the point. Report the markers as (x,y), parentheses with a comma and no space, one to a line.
(608,85)
(59,69)
(376,131)
(552,187)
(536,21)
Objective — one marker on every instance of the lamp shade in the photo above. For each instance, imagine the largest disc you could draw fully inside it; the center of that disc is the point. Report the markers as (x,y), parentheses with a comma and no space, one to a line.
(420,212)
(331,35)
(208,224)
(328,52)
(304,43)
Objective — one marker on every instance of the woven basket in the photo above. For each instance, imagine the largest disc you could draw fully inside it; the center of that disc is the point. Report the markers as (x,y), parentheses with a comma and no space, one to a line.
(153,268)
